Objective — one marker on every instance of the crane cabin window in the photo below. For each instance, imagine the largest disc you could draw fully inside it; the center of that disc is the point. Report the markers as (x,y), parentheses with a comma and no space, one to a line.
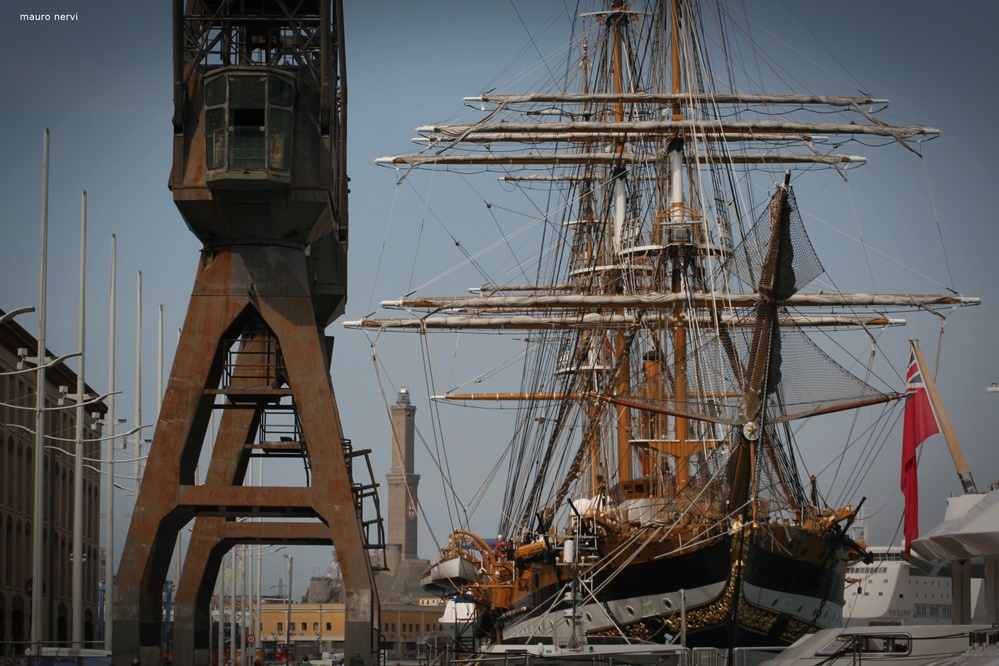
(248,123)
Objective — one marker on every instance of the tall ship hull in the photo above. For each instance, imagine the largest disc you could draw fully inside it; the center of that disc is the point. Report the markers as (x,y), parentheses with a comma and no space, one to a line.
(737,590)
(663,342)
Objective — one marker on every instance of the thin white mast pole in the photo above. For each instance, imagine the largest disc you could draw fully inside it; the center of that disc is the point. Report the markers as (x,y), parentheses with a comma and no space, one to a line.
(159,365)
(138,384)
(109,559)
(38,505)
(258,625)
(232,606)
(291,564)
(221,628)
(244,606)
(80,432)
(220,589)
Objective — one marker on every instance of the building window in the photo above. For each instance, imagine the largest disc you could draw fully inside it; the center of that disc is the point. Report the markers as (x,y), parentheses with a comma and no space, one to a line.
(329,626)
(280,627)
(315,627)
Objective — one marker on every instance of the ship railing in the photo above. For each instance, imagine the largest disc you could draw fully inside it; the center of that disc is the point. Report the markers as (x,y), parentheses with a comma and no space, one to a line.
(753,656)
(668,656)
(59,656)
(984,637)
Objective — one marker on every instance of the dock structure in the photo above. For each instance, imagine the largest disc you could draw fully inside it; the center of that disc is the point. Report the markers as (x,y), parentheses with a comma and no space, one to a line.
(259,176)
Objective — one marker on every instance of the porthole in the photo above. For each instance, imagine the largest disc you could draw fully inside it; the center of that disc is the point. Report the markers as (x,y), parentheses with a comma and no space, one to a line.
(667,603)
(630,611)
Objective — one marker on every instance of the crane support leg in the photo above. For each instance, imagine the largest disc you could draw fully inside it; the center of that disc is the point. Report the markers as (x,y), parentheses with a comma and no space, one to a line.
(248,293)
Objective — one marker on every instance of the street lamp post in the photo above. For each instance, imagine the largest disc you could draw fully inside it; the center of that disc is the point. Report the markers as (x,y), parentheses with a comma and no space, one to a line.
(319,634)
(80,434)
(109,560)
(258,624)
(38,502)
(288,627)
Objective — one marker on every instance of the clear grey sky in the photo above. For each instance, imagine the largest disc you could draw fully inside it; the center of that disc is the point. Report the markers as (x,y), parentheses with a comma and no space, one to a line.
(102,83)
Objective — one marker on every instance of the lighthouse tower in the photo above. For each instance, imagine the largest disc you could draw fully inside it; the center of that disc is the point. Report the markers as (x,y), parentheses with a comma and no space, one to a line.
(403,484)
(398,581)
(259,176)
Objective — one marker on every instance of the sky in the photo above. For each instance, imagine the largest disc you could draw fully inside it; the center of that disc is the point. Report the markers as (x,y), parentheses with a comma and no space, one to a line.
(102,84)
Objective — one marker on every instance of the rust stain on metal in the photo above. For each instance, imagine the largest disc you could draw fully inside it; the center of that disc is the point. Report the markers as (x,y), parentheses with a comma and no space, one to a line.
(272,217)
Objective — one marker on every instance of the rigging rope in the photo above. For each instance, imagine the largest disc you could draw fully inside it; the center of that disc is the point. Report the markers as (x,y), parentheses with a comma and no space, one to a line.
(936,218)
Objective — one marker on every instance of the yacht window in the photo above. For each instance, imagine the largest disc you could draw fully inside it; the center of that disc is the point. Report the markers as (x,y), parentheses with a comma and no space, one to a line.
(898,644)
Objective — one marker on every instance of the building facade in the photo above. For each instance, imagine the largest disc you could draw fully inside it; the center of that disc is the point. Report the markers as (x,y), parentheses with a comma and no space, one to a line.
(17,465)
(313,629)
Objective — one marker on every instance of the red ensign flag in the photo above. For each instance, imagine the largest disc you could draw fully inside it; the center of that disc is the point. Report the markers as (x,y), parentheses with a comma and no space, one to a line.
(920,423)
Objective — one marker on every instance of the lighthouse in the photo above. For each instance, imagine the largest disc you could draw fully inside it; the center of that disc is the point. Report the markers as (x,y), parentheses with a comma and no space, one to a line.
(403,483)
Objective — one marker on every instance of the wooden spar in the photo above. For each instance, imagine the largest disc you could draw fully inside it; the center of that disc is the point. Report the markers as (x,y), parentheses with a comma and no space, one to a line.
(637,128)
(682,426)
(655,409)
(946,429)
(623,383)
(668,300)
(670,98)
(623,419)
(591,437)
(568,159)
(674,18)
(676,216)
(604,321)
(499,397)
(760,365)
(497,135)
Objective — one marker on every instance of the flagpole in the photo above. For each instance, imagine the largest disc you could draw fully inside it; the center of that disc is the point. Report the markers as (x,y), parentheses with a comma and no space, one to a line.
(38,501)
(138,384)
(232,606)
(220,587)
(80,434)
(946,429)
(109,560)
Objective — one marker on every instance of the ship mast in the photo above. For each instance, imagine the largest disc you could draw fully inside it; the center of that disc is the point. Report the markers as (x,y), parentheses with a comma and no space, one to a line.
(634,314)
(592,442)
(681,450)
(618,20)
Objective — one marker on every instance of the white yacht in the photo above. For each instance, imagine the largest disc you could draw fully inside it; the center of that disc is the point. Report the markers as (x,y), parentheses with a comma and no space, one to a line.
(913,645)
(895,591)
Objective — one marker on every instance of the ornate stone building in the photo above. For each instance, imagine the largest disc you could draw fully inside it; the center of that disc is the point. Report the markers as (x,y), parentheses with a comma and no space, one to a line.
(17,455)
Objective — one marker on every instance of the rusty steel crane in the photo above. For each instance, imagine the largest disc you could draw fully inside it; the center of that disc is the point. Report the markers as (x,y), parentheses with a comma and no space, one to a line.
(259,176)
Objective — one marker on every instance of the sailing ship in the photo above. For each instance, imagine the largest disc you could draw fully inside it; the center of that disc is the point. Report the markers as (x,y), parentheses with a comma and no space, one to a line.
(654,489)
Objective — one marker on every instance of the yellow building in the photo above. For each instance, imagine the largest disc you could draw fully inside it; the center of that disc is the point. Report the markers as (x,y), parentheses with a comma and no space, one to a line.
(317,628)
